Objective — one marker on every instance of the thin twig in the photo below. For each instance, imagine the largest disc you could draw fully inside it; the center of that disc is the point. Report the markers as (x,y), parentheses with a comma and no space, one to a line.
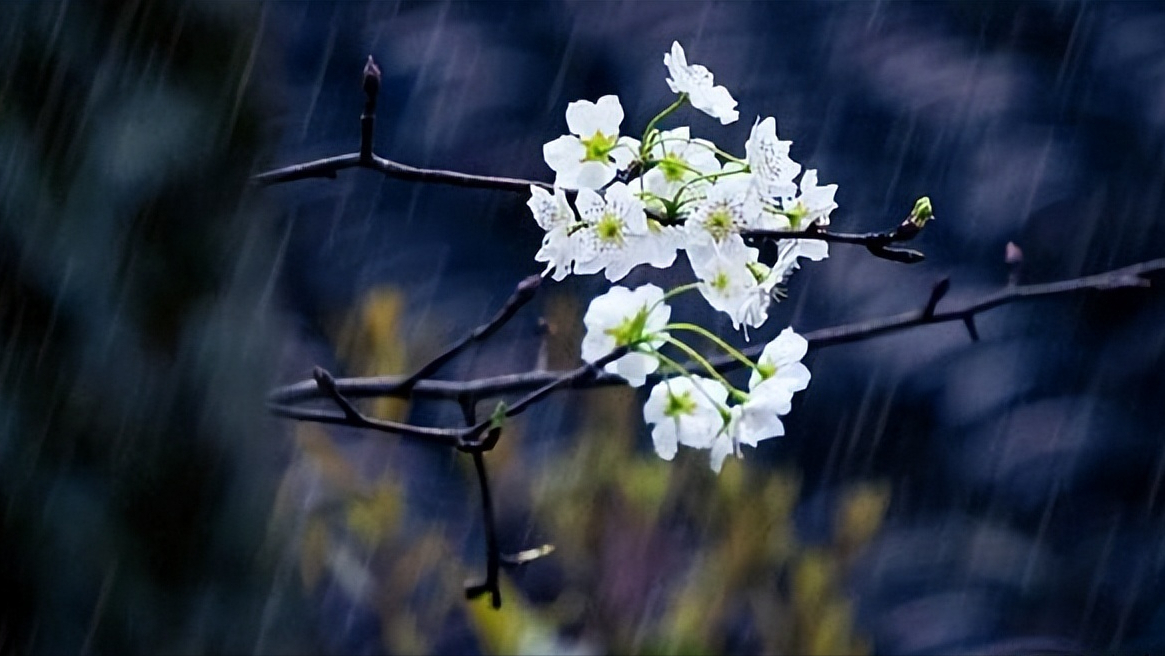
(577,377)
(522,295)
(368,118)
(327,167)
(479,437)
(493,556)
(350,416)
(545,382)
(878,243)
(492,552)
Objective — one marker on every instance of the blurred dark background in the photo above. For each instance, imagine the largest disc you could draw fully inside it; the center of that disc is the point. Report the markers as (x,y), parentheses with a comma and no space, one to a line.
(932,495)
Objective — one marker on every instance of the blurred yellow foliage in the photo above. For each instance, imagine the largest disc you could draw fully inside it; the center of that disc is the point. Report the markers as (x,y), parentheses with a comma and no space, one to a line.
(370,343)
(374,516)
(314,552)
(338,475)
(655,557)
(501,630)
(860,514)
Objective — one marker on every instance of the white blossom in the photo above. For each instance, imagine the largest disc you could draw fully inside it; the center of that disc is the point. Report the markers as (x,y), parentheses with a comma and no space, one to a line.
(624,317)
(727,207)
(559,250)
(726,278)
(550,211)
(593,152)
(769,161)
(696,81)
(813,204)
(612,224)
(680,160)
(685,411)
(780,363)
(757,418)
(553,214)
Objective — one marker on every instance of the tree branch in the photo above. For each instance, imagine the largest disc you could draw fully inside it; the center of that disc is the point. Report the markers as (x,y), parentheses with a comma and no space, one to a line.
(876,242)
(522,295)
(477,437)
(492,552)
(546,382)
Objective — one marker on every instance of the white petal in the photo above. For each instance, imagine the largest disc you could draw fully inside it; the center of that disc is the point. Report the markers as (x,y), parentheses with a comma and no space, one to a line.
(558,251)
(589,203)
(634,367)
(721,447)
(593,175)
(795,375)
(788,347)
(625,151)
(718,103)
(563,152)
(550,211)
(595,345)
(663,437)
(585,118)
(618,265)
(759,425)
(812,249)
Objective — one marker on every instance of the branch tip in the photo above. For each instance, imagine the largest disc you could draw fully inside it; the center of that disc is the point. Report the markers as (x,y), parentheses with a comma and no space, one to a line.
(371,81)
(972,330)
(937,293)
(324,379)
(530,284)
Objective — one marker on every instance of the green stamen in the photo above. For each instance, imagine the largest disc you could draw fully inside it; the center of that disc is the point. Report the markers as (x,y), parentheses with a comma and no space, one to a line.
(630,332)
(672,167)
(599,147)
(679,405)
(719,223)
(609,229)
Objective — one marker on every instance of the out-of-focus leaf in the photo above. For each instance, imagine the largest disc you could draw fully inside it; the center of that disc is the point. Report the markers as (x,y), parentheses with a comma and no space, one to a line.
(374,517)
(812,577)
(509,629)
(313,554)
(860,514)
(829,632)
(645,484)
(370,342)
(333,467)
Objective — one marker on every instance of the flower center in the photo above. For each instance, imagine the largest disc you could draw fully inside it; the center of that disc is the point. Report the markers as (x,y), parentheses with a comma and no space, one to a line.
(679,405)
(766,370)
(672,168)
(759,271)
(630,331)
(720,282)
(796,214)
(718,223)
(609,229)
(599,146)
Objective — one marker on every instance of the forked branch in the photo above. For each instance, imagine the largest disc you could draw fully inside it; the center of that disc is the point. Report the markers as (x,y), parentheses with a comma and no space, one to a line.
(878,243)
(286,401)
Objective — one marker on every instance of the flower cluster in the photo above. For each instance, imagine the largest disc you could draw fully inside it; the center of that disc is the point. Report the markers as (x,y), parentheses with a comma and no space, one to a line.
(640,202)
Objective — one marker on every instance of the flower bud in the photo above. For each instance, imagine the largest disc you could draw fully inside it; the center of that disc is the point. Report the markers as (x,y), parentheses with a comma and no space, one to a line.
(922,212)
